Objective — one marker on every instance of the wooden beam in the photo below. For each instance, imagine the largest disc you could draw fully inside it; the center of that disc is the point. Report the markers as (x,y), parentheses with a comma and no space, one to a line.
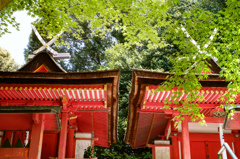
(13,121)
(56,57)
(36,138)
(211,120)
(135,131)
(211,137)
(14,153)
(186,141)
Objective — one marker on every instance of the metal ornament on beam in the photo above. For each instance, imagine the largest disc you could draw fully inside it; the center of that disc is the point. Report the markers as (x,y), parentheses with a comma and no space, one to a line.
(55,54)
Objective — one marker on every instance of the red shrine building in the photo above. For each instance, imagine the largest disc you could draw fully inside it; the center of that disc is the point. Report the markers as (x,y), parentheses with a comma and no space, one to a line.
(46,112)
(149,125)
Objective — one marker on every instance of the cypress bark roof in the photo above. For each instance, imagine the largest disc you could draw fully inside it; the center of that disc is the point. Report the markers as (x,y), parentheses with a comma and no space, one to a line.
(42,58)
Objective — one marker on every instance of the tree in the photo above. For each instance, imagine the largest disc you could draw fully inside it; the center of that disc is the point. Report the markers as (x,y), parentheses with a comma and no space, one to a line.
(149,35)
(193,33)
(87,53)
(60,15)
(6,62)
(140,22)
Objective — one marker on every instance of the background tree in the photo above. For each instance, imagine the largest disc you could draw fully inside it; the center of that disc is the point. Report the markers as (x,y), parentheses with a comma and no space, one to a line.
(6,62)
(140,22)
(135,16)
(148,35)
(87,53)
(142,57)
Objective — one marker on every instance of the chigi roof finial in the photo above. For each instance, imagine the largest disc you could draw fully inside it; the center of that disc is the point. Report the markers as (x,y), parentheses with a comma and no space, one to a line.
(55,54)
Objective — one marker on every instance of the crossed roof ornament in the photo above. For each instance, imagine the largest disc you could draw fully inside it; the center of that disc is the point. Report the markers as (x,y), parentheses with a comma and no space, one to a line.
(198,46)
(195,43)
(47,46)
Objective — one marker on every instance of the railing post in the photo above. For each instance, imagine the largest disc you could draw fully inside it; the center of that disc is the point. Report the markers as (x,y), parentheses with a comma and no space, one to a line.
(225,147)
(224,154)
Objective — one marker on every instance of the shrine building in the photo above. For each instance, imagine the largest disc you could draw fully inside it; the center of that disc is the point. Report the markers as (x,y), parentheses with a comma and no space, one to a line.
(149,125)
(46,112)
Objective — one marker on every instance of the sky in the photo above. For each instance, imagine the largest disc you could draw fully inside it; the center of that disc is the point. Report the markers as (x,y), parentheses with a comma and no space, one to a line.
(16,41)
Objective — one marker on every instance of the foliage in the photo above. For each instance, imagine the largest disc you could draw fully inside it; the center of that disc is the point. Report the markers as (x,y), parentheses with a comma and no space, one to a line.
(191,59)
(126,59)
(149,35)
(134,18)
(6,62)
(87,54)
(4,3)
(89,152)
(33,44)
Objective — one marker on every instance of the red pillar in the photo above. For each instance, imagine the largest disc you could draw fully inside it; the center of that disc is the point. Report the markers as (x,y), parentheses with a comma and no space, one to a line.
(63,136)
(175,149)
(174,136)
(36,137)
(70,144)
(186,141)
(153,152)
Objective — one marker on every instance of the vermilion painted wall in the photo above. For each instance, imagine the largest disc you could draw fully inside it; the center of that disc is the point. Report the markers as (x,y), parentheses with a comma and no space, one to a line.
(206,145)
(50,145)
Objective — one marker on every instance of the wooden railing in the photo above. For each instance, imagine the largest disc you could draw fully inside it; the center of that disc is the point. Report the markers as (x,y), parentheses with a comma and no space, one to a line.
(14,153)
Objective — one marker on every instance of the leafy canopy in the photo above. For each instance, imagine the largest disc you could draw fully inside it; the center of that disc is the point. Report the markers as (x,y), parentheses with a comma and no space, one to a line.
(151,36)
(136,19)
(140,23)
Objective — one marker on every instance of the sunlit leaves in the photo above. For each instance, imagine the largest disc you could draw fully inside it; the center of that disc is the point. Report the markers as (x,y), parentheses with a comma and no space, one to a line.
(138,20)
(154,25)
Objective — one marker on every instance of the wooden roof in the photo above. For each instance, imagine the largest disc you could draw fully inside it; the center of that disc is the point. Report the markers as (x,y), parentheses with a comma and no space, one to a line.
(92,96)
(142,105)
(42,59)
